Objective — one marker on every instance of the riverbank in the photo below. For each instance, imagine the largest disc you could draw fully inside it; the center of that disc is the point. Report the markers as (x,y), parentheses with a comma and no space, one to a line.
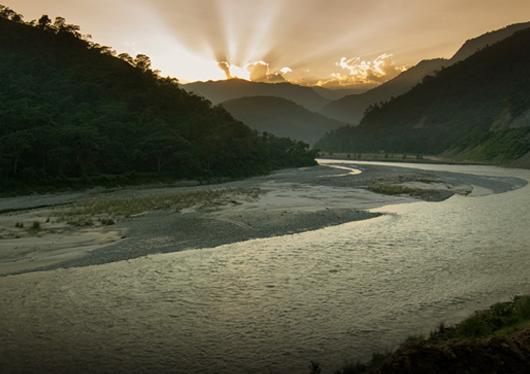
(523,162)
(97,226)
(273,304)
(496,340)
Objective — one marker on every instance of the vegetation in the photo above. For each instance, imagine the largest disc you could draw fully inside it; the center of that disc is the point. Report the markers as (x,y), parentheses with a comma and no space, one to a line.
(126,207)
(476,109)
(350,109)
(73,110)
(471,335)
(281,117)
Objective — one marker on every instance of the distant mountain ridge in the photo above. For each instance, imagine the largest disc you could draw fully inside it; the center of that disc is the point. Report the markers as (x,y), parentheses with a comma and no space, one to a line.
(350,109)
(477,109)
(221,91)
(281,117)
(471,46)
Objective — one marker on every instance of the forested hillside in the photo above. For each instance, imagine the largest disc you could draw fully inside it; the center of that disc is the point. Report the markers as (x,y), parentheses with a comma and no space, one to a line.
(477,109)
(281,117)
(70,108)
(351,109)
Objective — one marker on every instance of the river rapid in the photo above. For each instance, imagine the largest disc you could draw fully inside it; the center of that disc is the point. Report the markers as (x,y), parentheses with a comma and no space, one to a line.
(333,295)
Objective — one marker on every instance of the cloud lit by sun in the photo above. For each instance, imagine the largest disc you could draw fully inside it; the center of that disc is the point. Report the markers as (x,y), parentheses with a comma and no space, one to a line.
(258,71)
(356,71)
(332,43)
(239,72)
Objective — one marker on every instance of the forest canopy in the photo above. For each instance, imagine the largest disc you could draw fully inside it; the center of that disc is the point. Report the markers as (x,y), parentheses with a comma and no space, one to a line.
(71,108)
(477,109)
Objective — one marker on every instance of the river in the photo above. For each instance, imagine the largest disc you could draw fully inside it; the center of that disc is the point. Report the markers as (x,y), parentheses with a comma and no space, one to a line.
(271,305)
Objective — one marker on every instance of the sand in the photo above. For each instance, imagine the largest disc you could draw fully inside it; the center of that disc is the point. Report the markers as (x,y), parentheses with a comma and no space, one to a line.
(100,226)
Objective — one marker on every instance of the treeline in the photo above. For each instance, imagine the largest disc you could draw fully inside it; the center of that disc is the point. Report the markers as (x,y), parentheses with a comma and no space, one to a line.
(71,108)
(478,109)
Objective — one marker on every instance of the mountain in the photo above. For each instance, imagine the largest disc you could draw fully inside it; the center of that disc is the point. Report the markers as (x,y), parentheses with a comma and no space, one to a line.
(69,108)
(336,93)
(473,45)
(477,109)
(281,117)
(351,108)
(221,91)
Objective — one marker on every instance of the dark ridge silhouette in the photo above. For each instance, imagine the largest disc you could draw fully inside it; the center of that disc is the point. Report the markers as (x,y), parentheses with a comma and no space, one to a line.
(337,93)
(221,91)
(477,109)
(281,117)
(71,108)
(350,109)
(471,46)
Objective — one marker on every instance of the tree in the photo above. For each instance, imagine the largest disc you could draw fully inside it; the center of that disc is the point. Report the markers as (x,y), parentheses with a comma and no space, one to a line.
(12,148)
(142,62)
(10,14)
(44,22)
(69,108)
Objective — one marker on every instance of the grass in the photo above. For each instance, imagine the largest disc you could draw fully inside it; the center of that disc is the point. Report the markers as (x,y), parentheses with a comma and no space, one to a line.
(106,209)
(393,189)
(499,320)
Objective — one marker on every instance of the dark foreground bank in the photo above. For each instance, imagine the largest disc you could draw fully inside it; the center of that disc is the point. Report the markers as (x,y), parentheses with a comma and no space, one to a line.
(496,340)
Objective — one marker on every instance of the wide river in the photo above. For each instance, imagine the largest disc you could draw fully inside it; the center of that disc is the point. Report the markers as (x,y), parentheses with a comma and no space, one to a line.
(271,305)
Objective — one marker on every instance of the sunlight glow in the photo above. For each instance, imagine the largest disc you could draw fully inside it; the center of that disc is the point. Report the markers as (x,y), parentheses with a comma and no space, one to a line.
(240,72)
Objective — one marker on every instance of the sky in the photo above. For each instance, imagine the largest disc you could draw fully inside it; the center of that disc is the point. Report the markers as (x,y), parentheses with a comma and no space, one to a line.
(331,43)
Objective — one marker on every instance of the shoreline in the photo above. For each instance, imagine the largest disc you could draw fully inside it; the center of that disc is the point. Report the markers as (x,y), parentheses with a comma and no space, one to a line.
(492,339)
(100,226)
(367,280)
(429,160)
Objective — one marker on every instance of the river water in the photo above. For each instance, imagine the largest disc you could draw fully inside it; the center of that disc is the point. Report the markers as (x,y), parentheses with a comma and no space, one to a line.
(271,305)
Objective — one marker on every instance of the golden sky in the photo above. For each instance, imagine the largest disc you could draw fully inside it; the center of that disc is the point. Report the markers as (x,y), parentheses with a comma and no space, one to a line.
(345,42)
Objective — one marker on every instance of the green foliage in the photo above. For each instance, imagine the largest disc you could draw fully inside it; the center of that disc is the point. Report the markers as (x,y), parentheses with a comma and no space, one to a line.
(488,322)
(124,207)
(499,319)
(71,109)
(281,117)
(453,111)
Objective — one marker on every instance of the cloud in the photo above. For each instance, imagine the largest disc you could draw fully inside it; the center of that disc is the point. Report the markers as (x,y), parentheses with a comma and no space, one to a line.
(356,71)
(225,66)
(276,78)
(260,72)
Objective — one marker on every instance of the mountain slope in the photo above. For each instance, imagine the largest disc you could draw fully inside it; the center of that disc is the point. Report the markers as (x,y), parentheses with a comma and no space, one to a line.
(471,46)
(221,91)
(69,109)
(337,93)
(477,109)
(281,117)
(351,108)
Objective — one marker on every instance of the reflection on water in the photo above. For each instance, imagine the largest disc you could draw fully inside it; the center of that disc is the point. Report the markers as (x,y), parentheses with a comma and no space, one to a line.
(272,305)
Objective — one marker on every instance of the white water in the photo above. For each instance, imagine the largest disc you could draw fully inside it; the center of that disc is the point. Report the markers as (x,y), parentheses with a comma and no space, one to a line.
(271,305)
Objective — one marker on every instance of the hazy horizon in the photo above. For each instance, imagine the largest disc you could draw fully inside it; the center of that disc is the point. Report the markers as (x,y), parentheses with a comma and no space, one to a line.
(336,43)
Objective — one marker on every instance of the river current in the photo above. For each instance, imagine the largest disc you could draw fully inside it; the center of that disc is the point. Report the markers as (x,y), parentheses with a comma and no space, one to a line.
(271,305)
